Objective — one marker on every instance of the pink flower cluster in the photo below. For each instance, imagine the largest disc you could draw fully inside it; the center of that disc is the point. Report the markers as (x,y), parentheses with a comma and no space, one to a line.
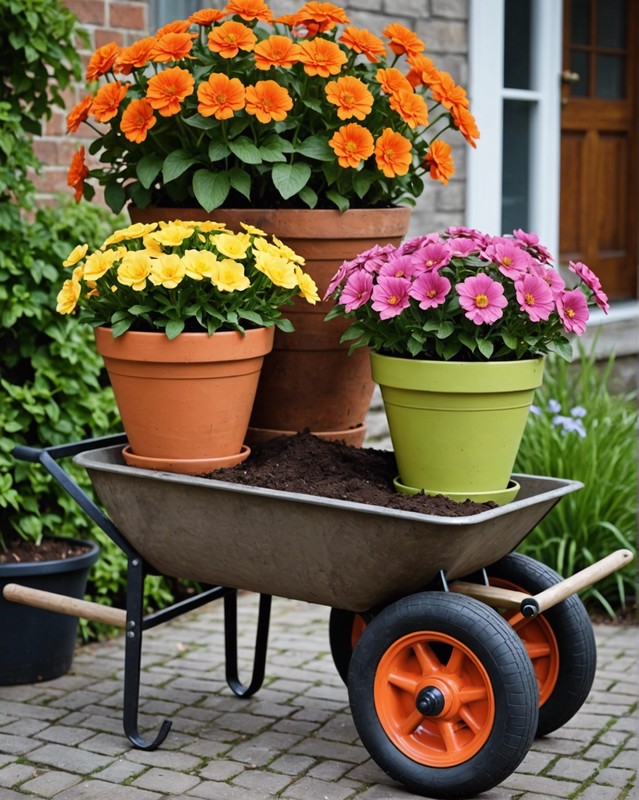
(506,286)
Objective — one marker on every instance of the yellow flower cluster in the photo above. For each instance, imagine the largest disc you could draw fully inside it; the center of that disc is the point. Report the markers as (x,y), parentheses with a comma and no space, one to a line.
(199,263)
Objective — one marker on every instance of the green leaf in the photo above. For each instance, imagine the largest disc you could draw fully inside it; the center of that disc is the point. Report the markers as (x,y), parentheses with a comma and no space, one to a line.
(445,328)
(176,164)
(121,327)
(562,347)
(289,179)
(414,346)
(218,151)
(137,310)
(115,197)
(252,316)
(316,147)
(309,196)
(340,201)
(148,168)
(202,123)
(314,104)
(245,150)
(509,340)
(240,181)
(362,182)
(285,325)
(210,188)
(174,327)
(273,149)
(485,347)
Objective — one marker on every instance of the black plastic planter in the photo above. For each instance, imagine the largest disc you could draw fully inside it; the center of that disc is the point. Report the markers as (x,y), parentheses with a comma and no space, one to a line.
(38,645)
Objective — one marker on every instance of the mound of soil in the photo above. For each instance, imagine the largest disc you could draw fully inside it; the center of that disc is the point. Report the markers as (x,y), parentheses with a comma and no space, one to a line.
(306,464)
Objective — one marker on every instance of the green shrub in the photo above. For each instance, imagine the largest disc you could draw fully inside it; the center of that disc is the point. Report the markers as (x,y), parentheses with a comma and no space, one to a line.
(581,431)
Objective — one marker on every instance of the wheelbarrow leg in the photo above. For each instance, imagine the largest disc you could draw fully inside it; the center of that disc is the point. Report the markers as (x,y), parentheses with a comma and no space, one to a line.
(133,658)
(230,644)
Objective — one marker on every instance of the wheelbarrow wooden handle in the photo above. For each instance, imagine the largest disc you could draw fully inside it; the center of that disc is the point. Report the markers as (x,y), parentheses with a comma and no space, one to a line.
(63,604)
(529,605)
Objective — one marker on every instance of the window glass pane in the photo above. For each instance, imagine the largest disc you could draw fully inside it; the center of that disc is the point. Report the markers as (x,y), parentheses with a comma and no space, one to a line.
(579,65)
(611,84)
(517,45)
(611,23)
(515,165)
(164,11)
(580,21)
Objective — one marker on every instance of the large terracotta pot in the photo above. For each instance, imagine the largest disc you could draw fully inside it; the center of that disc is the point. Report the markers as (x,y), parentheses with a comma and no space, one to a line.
(456,426)
(309,380)
(185,403)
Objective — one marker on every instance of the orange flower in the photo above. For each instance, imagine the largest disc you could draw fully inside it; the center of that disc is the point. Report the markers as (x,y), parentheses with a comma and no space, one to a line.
(393,153)
(276,51)
(107,100)
(392,80)
(166,90)
(448,93)
(321,57)
(249,9)
(440,160)
(231,37)
(422,71)
(465,123)
(77,173)
(137,118)
(220,96)
(267,101)
(206,16)
(171,47)
(79,114)
(362,41)
(403,41)
(102,61)
(324,16)
(352,143)
(135,56)
(410,106)
(351,97)
(177,26)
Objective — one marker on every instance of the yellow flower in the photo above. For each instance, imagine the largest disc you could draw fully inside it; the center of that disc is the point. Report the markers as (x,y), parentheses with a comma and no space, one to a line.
(78,273)
(200,264)
(167,270)
(152,247)
(76,255)
(286,251)
(252,229)
(229,276)
(308,287)
(172,235)
(232,245)
(136,231)
(264,246)
(279,270)
(98,264)
(134,270)
(68,297)
(208,225)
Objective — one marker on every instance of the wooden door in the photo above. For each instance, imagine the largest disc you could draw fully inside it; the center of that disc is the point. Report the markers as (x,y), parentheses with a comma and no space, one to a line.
(599,164)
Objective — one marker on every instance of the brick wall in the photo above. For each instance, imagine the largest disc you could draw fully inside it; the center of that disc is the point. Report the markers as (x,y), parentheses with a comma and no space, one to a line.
(441,24)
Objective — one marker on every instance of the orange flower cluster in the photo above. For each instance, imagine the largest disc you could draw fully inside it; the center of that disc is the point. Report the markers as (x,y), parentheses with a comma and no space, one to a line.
(272,97)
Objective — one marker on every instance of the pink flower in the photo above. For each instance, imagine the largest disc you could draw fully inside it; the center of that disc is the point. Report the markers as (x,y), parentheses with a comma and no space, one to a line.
(357,291)
(592,282)
(528,239)
(412,245)
(377,256)
(482,298)
(432,256)
(471,233)
(399,267)
(535,297)
(572,308)
(390,296)
(430,288)
(550,276)
(511,259)
(460,247)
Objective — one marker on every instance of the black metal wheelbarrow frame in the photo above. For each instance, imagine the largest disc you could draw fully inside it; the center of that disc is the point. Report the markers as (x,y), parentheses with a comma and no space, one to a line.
(217,533)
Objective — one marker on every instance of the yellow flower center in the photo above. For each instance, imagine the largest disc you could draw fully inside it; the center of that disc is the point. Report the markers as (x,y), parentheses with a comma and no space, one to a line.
(570,312)
(393,300)
(530,300)
(507,261)
(481,301)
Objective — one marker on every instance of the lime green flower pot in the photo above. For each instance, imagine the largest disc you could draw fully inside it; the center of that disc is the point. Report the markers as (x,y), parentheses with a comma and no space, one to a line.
(456,426)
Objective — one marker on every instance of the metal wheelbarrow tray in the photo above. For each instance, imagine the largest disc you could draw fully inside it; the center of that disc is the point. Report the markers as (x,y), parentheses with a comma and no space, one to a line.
(446,693)
(341,554)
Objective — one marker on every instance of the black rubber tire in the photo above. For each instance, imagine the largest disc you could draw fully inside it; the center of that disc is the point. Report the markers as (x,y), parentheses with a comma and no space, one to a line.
(511,678)
(340,637)
(574,636)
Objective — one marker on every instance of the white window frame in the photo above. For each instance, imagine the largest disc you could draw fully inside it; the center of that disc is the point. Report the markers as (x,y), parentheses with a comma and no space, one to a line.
(487,93)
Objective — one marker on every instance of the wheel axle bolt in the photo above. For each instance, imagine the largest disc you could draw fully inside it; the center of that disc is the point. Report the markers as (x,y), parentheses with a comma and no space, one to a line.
(430,701)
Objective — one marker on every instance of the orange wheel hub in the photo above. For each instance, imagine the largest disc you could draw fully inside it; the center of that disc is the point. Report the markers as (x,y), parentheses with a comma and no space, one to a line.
(538,639)
(434,699)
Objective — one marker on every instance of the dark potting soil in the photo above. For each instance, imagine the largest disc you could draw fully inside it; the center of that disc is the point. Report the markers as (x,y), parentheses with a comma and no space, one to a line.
(18,551)
(306,464)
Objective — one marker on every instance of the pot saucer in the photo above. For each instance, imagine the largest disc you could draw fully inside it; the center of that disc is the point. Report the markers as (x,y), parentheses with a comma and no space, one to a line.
(499,496)
(185,466)
(351,436)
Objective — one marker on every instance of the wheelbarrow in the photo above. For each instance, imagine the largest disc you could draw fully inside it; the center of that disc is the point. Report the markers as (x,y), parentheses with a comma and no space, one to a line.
(456,651)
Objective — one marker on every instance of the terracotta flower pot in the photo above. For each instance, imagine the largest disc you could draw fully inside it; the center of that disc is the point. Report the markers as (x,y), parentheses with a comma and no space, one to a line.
(185,403)
(309,380)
